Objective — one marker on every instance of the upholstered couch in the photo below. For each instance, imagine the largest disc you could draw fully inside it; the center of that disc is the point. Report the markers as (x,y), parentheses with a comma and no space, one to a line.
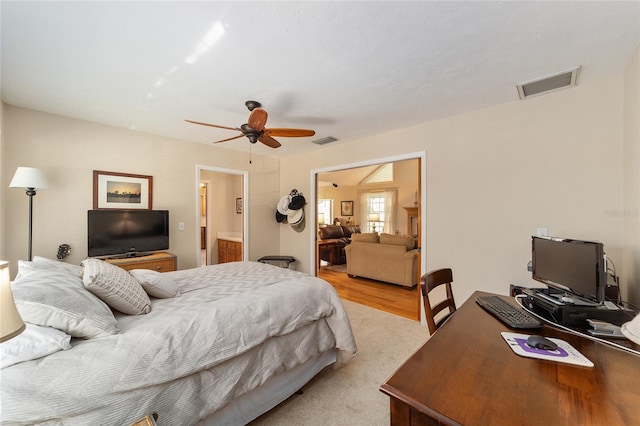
(388,258)
(340,236)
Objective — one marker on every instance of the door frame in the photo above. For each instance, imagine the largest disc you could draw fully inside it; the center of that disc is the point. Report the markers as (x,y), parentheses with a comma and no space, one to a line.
(245,210)
(422,156)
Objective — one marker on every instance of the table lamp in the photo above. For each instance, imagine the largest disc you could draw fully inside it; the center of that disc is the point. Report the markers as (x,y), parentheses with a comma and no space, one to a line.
(30,179)
(373,218)
(10,322)
(320,219)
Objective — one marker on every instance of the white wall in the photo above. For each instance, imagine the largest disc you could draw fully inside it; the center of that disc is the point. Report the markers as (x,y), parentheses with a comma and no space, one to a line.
(68,151)
(495,175)
(3,182)
(630,271)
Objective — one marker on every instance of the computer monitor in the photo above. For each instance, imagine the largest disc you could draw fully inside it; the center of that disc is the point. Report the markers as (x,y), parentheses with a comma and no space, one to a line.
(574,266)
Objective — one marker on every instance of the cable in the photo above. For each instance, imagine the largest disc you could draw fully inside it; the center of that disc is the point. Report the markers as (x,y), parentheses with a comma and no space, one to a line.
(614,266)
(578,333)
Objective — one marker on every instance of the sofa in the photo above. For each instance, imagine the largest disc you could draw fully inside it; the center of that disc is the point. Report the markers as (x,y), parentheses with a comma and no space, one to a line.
(385,257)
(340,236)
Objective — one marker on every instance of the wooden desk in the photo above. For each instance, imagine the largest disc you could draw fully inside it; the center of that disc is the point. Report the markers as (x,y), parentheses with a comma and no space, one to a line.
(467,374)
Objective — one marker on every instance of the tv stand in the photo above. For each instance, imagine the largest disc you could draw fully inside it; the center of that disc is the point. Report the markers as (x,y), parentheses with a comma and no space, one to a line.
(161,262)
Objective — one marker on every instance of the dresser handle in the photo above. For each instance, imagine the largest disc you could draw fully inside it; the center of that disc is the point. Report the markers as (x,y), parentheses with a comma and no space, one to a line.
(158,268)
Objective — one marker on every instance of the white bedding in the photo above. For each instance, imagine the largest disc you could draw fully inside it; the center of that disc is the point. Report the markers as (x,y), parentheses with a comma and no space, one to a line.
(233,327)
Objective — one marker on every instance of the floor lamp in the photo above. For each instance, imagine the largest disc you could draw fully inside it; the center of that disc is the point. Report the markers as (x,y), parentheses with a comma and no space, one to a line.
(30,179)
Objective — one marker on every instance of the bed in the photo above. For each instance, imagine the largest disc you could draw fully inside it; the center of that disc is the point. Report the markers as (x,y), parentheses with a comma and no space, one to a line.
(222,345)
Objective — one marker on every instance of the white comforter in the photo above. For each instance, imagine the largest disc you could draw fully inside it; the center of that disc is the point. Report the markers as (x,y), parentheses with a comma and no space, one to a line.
(234,326)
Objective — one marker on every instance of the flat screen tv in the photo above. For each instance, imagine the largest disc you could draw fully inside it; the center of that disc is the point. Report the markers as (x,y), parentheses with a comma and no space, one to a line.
(127,232)
(573,266)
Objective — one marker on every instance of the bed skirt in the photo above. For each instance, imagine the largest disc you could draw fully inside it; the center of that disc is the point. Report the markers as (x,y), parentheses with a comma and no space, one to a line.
(277,389)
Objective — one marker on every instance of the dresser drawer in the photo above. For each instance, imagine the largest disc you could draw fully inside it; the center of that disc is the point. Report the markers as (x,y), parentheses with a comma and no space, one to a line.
(161,262)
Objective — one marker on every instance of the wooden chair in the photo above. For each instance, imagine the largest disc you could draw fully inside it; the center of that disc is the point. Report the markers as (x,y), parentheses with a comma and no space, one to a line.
(428,282)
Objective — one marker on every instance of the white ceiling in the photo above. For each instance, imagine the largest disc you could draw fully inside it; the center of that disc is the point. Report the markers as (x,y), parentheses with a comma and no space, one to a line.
(344,69)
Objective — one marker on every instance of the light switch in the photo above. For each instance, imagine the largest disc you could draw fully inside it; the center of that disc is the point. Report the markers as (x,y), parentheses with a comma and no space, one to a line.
(542,232)
(181,226)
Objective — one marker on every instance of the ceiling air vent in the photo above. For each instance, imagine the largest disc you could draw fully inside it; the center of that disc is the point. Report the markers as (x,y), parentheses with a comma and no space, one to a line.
(323,141)
(549,84)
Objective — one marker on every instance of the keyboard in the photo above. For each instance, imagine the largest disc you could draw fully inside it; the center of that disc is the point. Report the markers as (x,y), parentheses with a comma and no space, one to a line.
(509,314)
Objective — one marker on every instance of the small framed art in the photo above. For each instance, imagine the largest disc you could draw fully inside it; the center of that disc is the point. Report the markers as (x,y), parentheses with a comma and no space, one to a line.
(346,208)
(113,190)
(239,205)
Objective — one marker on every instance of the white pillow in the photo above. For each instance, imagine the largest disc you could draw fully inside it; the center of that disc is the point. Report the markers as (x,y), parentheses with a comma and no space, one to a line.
(156,283)
(54,297)
(34,342)
(74,269)
(115,286)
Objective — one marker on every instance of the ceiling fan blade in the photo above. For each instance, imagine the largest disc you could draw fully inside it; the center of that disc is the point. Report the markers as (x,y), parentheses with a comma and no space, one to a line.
(213,125)
(229,139)
(289,133)
(257,119)
(269,141)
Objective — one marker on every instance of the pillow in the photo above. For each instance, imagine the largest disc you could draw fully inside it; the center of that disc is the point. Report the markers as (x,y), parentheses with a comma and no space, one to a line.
(34,342)
(156,283)
(398,240)
(366,237)
(50,296)
(74,269)
(51,264)
(115,286)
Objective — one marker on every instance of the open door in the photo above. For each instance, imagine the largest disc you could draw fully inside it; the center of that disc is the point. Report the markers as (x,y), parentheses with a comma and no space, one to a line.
(221,216)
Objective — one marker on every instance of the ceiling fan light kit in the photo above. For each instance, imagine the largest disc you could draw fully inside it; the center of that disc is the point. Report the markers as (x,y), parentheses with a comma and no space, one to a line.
(254,129)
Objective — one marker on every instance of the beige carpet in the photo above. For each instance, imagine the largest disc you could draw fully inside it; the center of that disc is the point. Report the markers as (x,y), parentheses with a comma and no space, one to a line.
(351,395)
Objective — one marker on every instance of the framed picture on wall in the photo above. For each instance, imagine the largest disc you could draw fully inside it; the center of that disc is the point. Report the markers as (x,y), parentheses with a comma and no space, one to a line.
(239,205)
(346,208)
(113,190)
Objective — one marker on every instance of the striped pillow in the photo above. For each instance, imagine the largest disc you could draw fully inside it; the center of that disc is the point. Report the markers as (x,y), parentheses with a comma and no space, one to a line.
(115,287)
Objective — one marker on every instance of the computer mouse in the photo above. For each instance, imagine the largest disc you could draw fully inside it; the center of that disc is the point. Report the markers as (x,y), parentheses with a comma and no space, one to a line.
(541,342)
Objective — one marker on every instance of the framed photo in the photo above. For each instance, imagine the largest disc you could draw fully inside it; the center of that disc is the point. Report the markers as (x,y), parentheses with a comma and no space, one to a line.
(239,205)
(346,208)
(121,191)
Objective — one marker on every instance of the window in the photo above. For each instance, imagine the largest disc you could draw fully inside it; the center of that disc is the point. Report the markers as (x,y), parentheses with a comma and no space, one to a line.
(325,212)
(375,215)
(378,214)
(384,173)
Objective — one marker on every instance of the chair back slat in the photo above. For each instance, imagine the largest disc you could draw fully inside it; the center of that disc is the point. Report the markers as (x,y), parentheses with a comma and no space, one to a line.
(430,281)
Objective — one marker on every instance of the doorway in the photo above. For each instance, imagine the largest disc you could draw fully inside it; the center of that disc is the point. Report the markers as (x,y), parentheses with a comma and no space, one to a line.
(220,214)
(410,211)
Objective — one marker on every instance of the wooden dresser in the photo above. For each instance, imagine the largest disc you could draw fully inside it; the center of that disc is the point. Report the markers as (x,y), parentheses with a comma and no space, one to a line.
(161,262)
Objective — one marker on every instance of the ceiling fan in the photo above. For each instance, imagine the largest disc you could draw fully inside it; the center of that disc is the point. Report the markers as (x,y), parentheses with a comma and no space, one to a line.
(254,128)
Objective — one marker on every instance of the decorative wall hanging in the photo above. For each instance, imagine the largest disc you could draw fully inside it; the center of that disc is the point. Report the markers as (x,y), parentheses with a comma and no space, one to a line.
(122,191)
(346,208)
(290,209)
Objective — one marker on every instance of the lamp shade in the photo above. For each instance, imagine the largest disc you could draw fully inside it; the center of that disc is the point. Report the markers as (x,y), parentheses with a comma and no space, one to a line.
(29,177)
(373,217)
(10,322)
(320,218)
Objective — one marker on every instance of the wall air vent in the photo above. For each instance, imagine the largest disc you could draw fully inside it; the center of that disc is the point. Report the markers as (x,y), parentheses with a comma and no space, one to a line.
(549,84)
(323,141)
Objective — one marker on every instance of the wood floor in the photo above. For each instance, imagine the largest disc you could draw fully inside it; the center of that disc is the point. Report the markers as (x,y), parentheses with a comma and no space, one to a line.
(386,297)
